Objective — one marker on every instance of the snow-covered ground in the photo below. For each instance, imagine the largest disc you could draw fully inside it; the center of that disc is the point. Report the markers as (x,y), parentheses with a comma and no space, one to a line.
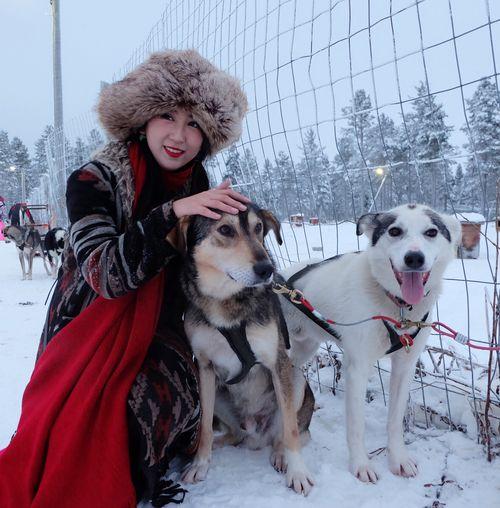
(453,467)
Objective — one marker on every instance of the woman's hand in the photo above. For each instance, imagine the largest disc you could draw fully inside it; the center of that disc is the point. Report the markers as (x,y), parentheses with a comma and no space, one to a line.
(221,198)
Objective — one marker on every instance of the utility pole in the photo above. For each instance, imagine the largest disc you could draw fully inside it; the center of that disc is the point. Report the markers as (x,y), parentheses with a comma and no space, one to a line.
(59,178)
(57,73)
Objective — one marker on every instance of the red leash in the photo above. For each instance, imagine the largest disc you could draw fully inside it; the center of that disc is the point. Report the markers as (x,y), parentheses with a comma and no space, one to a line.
(298,297)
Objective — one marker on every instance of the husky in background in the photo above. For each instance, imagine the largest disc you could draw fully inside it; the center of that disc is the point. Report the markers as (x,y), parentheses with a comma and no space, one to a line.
(399,275)
(236,329)
(28,244)
(53,244)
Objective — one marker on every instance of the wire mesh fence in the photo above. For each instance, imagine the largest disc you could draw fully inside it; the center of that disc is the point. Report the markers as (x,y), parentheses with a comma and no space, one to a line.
(357,106)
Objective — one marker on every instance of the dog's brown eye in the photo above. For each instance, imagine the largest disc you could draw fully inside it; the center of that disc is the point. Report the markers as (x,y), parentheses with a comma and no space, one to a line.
(431,233)
(395,232)
(258,228)
(226,230)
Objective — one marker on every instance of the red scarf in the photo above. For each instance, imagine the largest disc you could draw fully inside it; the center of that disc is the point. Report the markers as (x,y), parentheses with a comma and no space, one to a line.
(71,445)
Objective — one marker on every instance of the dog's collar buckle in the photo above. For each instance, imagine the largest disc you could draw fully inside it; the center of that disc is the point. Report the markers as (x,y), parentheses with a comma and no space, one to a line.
(294,295)
(408,323)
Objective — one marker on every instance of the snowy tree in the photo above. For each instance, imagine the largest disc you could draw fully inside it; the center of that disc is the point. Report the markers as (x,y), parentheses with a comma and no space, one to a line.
(20,159)
(94,140)
(345,186)
(234,168)
(386,152)
(252,177)
(80,153)
(429,144)
(355,149)
(314,178)
(288,201)
(40,164)
(8,180)
(270,188)
(458,189)
(483,166)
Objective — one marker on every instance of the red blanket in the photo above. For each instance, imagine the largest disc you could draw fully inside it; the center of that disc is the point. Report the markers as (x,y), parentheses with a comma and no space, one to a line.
(71,445)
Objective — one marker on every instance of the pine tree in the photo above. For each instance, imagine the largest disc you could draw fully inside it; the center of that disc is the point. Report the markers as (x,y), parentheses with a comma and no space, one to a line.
(94,140)
(483,166)
(21,161)
(458,188)
(288,202)
(386,153)
(234,168)
(355,150)
(251,174)
(271,186)
(40,164)
(429,143)
(314,177)
(8,180)
(80,153)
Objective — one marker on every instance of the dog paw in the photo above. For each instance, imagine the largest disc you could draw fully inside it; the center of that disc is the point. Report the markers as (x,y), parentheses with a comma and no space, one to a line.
(364,471)
(297,475)
(196,471)
(278,461)
(403,465)
(300,481)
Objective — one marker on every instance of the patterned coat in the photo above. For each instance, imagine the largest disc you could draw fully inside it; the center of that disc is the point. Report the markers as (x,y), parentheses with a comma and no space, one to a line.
(108,253)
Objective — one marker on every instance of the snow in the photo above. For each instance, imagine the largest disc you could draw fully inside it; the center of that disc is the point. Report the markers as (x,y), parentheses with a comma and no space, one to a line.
(453,467)
(474,217)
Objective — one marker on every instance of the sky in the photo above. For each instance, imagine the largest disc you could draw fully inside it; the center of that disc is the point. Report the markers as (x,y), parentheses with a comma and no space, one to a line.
(98,37)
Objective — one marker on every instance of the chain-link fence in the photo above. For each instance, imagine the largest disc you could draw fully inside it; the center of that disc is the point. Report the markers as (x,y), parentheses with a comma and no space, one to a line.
(356,107)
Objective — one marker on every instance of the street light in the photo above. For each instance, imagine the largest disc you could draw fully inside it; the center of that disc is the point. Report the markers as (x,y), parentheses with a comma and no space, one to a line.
(380,172)
(13,168)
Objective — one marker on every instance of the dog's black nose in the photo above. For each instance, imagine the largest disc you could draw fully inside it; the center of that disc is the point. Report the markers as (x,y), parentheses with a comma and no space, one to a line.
(263,269)
(414,260)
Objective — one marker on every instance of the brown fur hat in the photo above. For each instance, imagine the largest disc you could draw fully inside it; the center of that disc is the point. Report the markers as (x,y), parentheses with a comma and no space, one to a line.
(170,79)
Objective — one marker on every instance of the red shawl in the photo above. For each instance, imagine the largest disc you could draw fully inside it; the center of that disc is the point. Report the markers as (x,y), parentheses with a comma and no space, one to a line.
(71,445)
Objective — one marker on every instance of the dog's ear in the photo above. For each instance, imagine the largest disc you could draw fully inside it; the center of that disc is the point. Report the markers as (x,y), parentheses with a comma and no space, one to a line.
(366,224)
(271,222)
(177,236)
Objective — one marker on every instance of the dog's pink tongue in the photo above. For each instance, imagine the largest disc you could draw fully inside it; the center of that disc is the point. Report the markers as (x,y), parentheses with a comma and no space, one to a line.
(412,287)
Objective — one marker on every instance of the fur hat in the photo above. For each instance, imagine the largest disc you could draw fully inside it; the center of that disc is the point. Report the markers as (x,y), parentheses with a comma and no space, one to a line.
(170,79)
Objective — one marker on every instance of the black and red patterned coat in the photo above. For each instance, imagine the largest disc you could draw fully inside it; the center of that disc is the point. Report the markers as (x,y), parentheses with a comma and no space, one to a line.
(107,252)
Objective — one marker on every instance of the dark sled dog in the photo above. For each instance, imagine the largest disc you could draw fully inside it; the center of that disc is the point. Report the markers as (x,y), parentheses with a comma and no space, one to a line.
(238,335)
(28,244)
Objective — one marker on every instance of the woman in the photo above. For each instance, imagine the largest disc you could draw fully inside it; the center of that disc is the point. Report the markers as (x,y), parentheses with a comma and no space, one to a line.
(114,393)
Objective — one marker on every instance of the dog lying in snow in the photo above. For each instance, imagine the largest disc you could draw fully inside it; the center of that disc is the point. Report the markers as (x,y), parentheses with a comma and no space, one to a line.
(226,279)
(398,275)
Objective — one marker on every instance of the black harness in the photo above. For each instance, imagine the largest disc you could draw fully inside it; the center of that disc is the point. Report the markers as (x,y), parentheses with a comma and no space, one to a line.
(394,337)
(237,339)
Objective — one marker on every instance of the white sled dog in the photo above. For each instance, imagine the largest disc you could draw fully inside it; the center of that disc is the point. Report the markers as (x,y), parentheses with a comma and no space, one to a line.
(398,275)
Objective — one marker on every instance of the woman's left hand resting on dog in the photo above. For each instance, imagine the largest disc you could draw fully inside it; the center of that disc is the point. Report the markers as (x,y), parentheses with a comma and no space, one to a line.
(222,198)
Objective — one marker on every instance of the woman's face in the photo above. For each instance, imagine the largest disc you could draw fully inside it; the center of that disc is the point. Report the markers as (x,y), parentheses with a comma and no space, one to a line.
(174,138)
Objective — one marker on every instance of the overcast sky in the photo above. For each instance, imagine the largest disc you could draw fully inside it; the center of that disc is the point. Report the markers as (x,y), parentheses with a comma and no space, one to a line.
(98,37)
